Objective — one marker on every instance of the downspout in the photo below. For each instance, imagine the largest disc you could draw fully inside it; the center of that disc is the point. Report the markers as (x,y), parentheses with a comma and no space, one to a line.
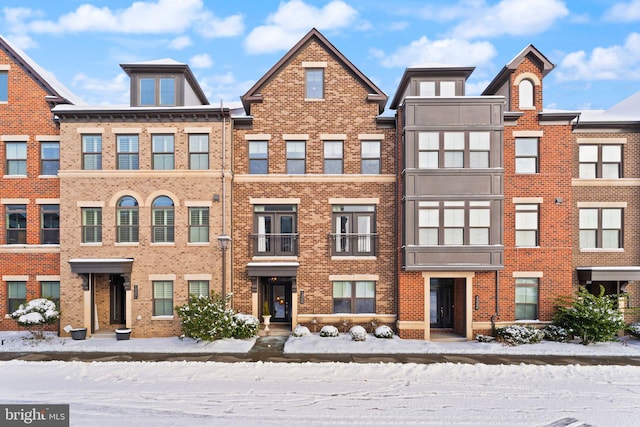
(224,183)
(495,315)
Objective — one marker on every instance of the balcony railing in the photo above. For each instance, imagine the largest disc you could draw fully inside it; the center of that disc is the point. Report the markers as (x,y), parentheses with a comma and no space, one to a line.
(274,244)
(353,244)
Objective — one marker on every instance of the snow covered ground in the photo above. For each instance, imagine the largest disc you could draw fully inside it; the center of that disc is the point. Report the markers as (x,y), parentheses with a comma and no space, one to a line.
(327,394)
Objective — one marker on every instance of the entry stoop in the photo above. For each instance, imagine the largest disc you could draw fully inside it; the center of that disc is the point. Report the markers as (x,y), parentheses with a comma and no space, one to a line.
(275,331)
(445,335)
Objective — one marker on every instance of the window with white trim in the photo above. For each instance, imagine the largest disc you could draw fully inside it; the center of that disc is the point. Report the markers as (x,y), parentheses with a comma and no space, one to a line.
(92,152)
(354,297)
(454,222)
(600,161)
(527,296)
(354,230)
(527,225)
(199,288)
(163,152)
(314,83)
(16,295)
(163,298)
(296,157)
(199,151)
(16,153)
(128,152)
(91,225)
(198,224)
(527,155)
(600,228)
(162,219)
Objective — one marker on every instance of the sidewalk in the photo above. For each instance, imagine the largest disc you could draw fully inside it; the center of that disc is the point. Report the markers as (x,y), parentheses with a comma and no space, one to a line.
(271,349)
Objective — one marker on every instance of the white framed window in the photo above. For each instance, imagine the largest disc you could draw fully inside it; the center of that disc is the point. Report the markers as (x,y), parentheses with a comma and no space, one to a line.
(16,153)
(601,228)
(600,161)
(198,224)
(333,157)
(527,297)
(527,224)
(258,157)
(314,83)
(354,297)
(527,155)
(199,151)
(162,298)
(296,157)
(128,152)
(525,93)
(163,152)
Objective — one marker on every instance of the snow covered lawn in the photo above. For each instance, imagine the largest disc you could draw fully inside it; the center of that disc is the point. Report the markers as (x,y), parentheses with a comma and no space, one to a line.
(22,341)
(171,394)
(176,394)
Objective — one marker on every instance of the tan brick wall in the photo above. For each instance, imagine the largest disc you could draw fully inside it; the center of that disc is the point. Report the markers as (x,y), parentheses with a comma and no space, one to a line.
(184,187)
(26,113)
(344,110)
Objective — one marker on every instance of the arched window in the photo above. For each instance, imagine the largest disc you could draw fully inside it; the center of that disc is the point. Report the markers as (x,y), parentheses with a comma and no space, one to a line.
(127,220)
(162,219)
(525,89)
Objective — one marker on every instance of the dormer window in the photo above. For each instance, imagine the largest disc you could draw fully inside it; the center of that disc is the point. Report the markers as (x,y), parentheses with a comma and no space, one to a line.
(437,88)
(525,94)
(157,91)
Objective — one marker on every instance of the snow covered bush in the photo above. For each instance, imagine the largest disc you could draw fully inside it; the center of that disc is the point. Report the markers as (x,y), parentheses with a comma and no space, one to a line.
(519,334)
(246,326)
(358,333)
(301,331)
(633,329)
(592,318)
(383,331)
(484,338)
(206,318)
(555,333)
(35,315)
(329,331)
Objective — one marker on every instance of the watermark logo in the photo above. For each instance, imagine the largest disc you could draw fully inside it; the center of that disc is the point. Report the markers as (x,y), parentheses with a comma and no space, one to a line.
(34,415)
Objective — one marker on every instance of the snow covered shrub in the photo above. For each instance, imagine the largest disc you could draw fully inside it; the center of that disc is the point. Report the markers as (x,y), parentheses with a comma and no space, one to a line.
(358,333)
(484,338)
(206,318)
(383,332)
(555,333)
(329,331)
(592,318)
(246,326)
(519,334)
(35,315)
(633,329)
(301,331)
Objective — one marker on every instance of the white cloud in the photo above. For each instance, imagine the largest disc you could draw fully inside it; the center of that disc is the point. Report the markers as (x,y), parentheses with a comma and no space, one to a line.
(223,87)
(96,91)
(23,41)
(202,60)
(508,17)
(604,63)
(142,17)
(213,27)
(293,19)
(476,87)
(624,12)
(180,42)
(448,51)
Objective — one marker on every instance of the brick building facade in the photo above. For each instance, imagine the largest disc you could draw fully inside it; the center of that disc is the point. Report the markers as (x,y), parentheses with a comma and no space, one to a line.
(445,213)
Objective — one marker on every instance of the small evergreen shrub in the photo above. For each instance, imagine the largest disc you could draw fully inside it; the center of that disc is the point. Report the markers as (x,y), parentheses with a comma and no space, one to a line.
(329,331)
(519,334)
(301,331)
(35,315)
(633,329)
(246,326)
(555,333)
(358,333)
(383,331)
(484,338)
(206,318)
(592,318)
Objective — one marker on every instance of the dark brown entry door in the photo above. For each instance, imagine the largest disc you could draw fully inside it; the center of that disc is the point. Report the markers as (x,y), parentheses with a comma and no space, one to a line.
(278,293)
(441,303)
(116,300)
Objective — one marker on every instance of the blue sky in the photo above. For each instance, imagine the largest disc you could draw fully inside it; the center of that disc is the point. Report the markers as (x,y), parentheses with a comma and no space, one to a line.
(595,44)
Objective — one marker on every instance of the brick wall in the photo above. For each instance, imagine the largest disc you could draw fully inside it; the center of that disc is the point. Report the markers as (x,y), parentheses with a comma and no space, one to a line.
(26,114)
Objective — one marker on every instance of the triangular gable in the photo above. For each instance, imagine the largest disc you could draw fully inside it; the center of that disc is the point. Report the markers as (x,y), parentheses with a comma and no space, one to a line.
(253,94)
(56,91)
(545,65)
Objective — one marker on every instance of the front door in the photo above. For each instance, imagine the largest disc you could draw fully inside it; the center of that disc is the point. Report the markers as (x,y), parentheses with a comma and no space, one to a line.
(277,291)
(441,303)
(116,300)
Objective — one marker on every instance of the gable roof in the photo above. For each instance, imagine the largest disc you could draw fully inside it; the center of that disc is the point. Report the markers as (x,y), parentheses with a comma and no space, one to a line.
(57,93)
(254,95)
(508,69)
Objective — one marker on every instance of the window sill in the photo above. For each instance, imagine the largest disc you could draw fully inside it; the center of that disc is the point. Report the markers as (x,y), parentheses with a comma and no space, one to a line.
(161,317)
(274,258)
(126,244)
(162,244)
(14,176)
(587,250)
(199,244)
(94,244)
(353,258)
(47,176)
(527,247)
(314,99)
